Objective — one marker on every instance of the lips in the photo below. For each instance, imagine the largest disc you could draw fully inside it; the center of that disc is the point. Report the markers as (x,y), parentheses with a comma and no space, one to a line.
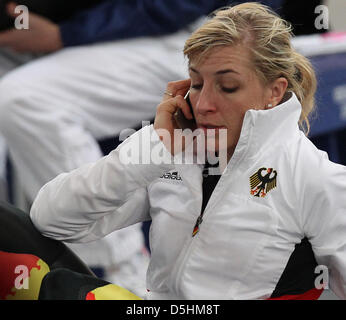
(209,127)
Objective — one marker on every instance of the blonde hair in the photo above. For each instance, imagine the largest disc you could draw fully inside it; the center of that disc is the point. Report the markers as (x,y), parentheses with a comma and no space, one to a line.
(269,38)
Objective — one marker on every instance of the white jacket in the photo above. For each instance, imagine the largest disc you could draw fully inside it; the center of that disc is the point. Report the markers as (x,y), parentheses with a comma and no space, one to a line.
(244,242)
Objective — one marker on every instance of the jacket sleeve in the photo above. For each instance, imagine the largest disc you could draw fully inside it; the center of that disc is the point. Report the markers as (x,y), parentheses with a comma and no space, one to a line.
(322,192)
(125,19)
(98,198)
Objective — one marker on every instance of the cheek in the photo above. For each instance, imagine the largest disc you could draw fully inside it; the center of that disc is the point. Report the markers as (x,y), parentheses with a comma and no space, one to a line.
(194,96)
(234,120)
(234,115)
(249,96)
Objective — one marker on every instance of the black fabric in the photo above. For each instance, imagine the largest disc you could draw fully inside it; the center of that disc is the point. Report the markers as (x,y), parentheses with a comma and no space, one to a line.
(55,10)
(209,183)
(299,275)
(19,235)
(64,284)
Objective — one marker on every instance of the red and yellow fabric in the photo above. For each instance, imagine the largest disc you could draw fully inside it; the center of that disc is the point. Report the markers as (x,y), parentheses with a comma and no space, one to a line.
(111,292)
(31,273)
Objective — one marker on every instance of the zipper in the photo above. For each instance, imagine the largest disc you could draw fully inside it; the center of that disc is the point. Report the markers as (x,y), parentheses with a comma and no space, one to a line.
(181,266)
(197,224)
(225,175)
(192,240)
(188,250)
(196,230)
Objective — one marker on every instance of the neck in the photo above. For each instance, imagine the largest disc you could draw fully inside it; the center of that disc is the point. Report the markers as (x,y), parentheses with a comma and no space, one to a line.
(230,152)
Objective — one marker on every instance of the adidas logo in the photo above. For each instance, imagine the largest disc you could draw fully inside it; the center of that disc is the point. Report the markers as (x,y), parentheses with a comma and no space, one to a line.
(173,176)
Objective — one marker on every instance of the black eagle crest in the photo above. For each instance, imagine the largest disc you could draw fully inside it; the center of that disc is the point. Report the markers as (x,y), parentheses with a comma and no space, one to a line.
(261,184)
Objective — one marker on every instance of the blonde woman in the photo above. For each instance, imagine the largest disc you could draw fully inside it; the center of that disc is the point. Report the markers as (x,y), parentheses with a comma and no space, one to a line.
(267,222)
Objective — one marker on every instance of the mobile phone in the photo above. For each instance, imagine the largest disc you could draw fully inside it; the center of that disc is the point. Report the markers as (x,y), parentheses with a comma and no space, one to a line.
(180,118)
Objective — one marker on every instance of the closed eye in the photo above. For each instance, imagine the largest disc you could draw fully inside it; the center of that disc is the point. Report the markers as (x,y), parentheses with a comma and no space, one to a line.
(197,86)
(229,90)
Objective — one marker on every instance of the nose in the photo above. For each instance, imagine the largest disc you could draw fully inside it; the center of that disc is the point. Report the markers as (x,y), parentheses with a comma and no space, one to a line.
(205,103)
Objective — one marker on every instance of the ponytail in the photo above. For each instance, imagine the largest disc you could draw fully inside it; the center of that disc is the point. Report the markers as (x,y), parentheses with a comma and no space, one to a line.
(303,83)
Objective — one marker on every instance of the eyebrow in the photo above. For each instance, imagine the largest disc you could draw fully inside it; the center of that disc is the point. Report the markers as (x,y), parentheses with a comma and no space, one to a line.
(218,72)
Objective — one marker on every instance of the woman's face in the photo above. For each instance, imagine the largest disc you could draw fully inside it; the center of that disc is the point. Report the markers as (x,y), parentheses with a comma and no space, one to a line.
(223,87)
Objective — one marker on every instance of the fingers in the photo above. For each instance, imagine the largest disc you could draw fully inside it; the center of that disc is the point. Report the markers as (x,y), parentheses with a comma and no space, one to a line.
(11,9)
(9,38)
(176,88)
(173,104)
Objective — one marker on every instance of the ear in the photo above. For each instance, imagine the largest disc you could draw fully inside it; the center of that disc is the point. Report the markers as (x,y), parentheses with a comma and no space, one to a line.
(277,91)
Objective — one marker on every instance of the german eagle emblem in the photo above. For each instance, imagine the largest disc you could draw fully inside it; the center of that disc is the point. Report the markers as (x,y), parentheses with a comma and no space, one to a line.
(262,182)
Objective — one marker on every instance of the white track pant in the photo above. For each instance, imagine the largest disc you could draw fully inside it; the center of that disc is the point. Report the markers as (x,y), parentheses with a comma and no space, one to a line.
(8,61)
(54,109)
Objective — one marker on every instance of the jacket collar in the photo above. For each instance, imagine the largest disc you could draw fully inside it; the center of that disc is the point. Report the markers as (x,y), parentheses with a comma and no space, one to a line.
(262,128)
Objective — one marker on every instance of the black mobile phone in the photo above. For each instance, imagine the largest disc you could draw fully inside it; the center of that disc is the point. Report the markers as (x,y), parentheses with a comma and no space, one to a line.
(180,118)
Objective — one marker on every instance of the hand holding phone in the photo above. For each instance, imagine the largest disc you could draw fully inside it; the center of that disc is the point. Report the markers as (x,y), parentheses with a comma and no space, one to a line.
(170,115)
